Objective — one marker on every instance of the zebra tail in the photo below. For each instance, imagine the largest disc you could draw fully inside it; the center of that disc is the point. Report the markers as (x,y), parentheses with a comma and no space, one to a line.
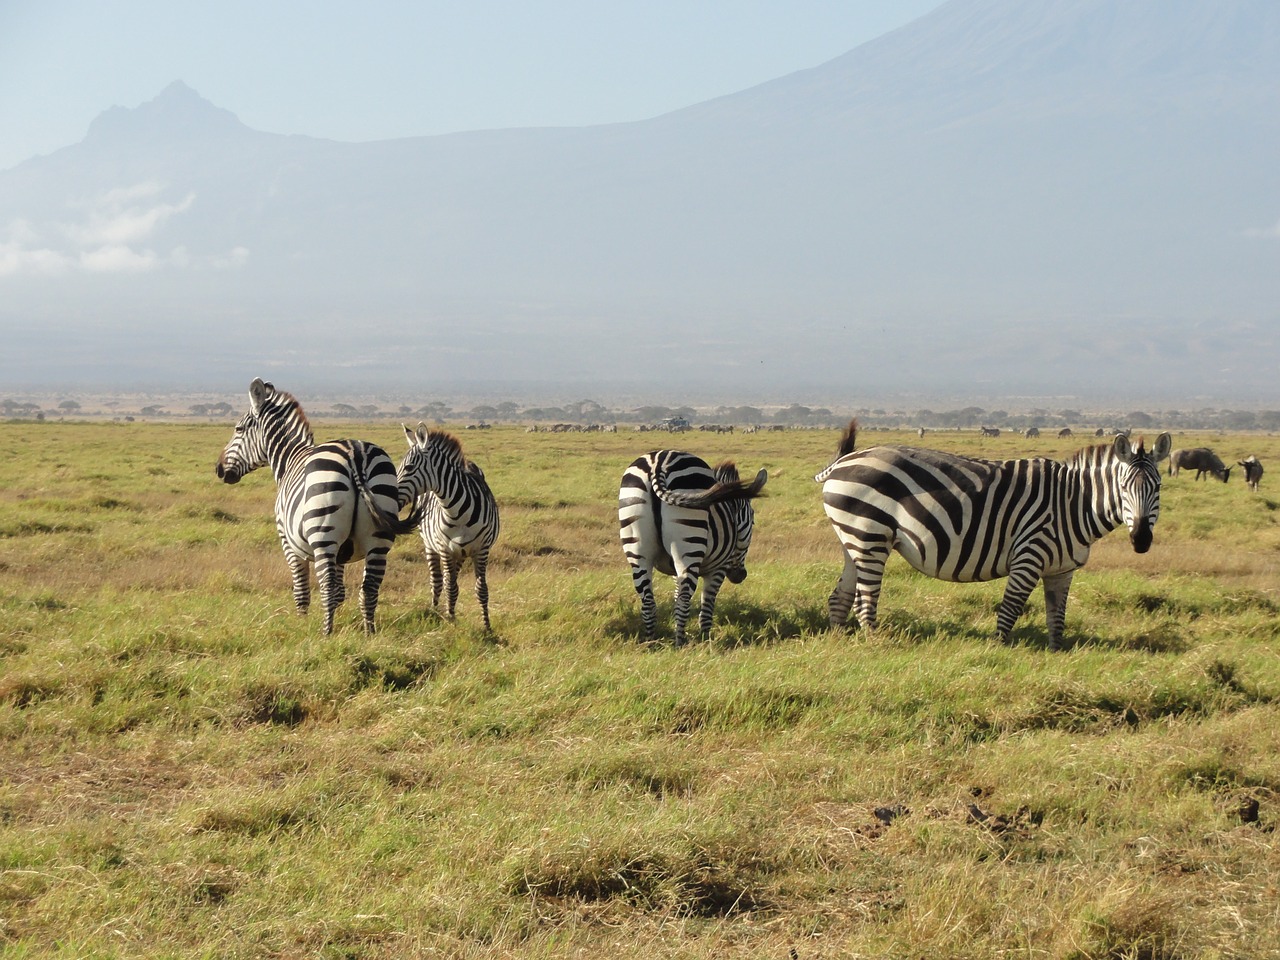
(385,520)
(848,443)
(716,493)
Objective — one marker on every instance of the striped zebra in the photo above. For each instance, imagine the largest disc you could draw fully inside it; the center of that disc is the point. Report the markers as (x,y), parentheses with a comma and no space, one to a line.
(680,517)
(966,520)
(460,515)
(336,502)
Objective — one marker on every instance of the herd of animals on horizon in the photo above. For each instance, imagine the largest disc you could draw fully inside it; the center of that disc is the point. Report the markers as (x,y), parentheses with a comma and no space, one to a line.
(954,518)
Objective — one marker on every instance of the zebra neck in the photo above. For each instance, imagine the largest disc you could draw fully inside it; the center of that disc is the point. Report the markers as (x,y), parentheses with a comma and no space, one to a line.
(1092,484)
(284,450)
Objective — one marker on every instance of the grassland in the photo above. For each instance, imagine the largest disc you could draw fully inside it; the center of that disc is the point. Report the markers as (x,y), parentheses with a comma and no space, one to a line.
(189,769)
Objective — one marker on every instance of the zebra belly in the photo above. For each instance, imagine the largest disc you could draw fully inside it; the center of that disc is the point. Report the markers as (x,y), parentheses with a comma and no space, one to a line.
(954,547)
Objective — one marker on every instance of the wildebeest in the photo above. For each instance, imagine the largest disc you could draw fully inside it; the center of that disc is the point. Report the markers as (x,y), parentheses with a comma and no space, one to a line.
(1200,459)
(1064,432)
(1252,471)
(1032,433)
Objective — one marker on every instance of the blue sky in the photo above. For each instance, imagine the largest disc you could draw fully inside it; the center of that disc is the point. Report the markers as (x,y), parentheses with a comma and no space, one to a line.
(379,70)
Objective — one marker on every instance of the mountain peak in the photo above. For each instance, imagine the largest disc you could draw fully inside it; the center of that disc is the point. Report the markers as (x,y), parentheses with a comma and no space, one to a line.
(177,113)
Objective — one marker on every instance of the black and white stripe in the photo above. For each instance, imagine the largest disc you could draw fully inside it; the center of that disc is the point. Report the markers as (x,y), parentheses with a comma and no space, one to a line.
(336,502)
(966,520)
(681,518)
(460,514)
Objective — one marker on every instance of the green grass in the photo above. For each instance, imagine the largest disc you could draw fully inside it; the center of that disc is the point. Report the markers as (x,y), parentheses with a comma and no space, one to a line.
(189,769)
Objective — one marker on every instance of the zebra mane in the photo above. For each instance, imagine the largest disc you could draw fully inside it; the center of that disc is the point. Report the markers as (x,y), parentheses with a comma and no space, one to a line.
(449,445)
(285,400)
(1094,454)
(726,472)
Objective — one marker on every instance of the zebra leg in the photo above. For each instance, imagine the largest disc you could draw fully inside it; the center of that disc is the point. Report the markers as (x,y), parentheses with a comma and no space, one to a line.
(375,568)
(642,580)
(451,582)
(329,579)
(300,570)
(858,587)
(685,584)
(481,561)
(870,574)
(1022,580)
(1055,606)
(710,588)
(437,577)
(841,599)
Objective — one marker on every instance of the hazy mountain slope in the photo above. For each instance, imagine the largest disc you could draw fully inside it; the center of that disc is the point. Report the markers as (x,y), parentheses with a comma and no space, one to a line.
(1009,195)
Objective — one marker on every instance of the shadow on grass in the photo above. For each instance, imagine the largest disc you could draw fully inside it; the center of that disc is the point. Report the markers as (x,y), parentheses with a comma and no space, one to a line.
(736,624)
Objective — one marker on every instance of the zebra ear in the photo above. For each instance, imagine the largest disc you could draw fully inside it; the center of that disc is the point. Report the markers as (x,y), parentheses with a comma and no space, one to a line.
(1161,448)
(1124,452)
(422,433)
(259,391)
(409,434)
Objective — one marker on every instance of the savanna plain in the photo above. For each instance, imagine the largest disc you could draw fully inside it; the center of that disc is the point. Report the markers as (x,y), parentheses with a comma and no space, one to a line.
(190,769)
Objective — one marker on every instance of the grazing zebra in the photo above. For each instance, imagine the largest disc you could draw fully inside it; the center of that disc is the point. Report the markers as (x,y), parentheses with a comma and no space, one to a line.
(965,520)
(680,517)
(460,515)
(336,502)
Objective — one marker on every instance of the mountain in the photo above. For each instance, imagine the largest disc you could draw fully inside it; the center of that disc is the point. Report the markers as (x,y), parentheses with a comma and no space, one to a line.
(1004,197)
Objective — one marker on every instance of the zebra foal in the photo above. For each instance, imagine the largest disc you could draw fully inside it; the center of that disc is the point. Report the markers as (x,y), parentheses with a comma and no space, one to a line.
(965,520)
(459,512)
(678,516)
(336,502)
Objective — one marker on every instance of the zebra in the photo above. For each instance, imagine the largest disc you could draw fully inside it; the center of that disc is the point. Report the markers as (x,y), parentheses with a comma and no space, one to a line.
(336,502)
(460,514)
(682,518)
(966,520)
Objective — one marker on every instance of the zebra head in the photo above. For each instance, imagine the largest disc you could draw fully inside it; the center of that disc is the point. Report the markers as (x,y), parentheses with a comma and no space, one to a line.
(432,455)
(1138,480)
(273,422)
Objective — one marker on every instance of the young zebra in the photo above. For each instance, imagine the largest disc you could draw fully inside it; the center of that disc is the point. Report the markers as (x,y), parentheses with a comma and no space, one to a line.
(966,520)
(336,502)
(460,515)
(678,516)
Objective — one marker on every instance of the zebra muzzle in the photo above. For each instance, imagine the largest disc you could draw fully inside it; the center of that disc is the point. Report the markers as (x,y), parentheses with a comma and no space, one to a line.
(225,474)
(1141,536)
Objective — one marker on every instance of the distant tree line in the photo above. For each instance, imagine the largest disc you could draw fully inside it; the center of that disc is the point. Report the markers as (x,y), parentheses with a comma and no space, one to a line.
(591,411)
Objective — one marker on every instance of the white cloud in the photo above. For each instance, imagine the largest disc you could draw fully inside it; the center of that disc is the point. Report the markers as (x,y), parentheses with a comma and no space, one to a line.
(1271,233)
(117,258)
(111,235)
(117,217)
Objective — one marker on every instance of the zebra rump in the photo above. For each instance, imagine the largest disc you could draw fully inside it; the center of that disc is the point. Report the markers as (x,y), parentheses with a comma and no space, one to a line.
(681,518)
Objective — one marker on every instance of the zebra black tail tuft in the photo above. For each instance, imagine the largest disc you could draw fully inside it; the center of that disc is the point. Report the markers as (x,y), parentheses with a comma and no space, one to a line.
(848,443)
(848,439)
